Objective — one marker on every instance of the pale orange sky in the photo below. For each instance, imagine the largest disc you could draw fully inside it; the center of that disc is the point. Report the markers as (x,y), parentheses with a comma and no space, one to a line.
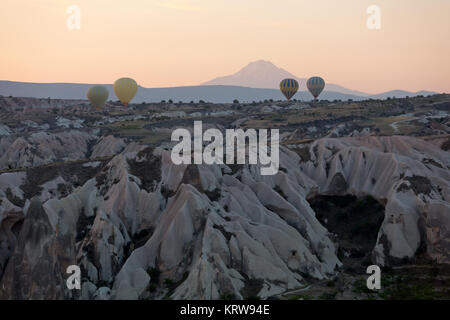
(185,42)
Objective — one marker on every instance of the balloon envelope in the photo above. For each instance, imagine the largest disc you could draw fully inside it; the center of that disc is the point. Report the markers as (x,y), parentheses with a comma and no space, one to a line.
(315,86)
(125,89)
(97,95)
(289,87)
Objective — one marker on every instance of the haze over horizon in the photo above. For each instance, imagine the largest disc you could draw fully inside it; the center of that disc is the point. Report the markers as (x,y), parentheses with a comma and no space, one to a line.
(330,39)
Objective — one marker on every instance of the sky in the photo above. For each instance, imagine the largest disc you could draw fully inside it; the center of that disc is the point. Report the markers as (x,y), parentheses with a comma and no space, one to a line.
(163,43)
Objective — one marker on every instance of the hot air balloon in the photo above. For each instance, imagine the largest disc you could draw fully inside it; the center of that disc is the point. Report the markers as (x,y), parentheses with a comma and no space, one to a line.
(125,89)
(288,87)
(315,86)
(97,95)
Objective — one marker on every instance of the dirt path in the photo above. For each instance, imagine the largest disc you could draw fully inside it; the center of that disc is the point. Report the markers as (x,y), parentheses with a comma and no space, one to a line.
(394,125)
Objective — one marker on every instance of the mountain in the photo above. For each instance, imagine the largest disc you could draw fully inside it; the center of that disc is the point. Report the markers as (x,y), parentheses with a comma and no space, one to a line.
(258,74)
(210,93)
(264,74)
(400,94)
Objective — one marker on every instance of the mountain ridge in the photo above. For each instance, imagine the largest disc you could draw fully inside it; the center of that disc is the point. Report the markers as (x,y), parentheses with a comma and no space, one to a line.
(210,93)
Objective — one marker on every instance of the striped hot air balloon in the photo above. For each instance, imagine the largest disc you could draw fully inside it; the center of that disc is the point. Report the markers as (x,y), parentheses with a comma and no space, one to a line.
(315,86)
(289,87)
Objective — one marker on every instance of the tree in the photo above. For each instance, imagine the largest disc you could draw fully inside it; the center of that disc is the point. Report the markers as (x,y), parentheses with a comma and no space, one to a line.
(235,101)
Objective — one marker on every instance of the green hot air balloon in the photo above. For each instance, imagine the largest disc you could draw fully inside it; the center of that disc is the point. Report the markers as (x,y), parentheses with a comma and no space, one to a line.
(97,95)
(125,89)
(315,86)
(289,87)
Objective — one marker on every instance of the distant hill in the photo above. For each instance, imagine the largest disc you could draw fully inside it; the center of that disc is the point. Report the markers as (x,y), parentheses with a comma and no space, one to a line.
(400,94)
(209,93)
(264,74)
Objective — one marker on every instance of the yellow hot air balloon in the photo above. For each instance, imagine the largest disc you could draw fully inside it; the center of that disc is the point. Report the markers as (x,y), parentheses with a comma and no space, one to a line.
(315,86)
(97,95)
(289,87)
(125,89)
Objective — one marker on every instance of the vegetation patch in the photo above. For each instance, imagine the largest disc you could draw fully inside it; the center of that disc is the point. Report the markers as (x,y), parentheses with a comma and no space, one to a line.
(227,296)
(147,168)
(213,195)
(74,173)
(225,233)
(166,192)
(154,274)
(331,295)
(432,162)
(278,189)
(446,145)
(251,288)
(84,224)
(171,285)
(355,221)
(140,238)
(303,152)
(15,200)
(63,189)
(422,282)
(235,168)
(418,184)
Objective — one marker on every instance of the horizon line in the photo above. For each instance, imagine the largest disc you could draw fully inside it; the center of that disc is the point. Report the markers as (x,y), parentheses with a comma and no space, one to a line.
(224,85)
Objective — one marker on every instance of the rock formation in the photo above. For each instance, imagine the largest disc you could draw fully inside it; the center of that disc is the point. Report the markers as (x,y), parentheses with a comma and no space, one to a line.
(141,227)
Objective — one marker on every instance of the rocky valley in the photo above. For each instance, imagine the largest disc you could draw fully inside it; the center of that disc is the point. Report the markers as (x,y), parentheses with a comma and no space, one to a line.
(359,183)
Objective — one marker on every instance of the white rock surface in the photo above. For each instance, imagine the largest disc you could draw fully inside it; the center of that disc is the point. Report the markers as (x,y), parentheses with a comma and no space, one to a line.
(409,174)
(212,230)
(5,130)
